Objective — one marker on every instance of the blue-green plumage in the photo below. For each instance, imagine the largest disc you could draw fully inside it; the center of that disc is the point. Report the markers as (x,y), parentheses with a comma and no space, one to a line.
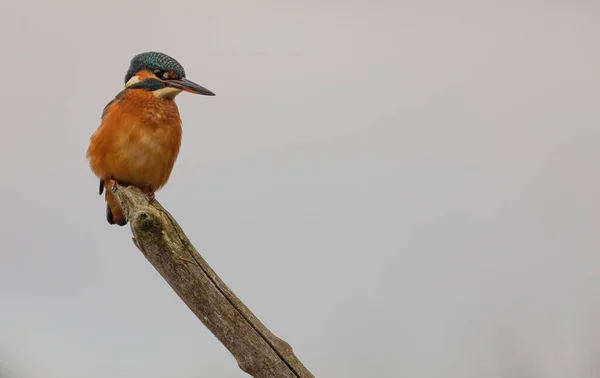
(154,62)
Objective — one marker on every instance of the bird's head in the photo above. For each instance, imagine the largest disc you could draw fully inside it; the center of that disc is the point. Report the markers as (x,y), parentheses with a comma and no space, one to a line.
(164,76)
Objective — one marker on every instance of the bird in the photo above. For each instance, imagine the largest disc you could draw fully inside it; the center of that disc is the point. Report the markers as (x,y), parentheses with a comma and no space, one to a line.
(140,132)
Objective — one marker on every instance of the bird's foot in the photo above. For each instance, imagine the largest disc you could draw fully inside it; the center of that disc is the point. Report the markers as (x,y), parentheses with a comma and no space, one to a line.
(150,193)
(112,183)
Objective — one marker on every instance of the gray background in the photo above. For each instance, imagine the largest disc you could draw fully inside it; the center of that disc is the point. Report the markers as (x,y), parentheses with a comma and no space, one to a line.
(395,188)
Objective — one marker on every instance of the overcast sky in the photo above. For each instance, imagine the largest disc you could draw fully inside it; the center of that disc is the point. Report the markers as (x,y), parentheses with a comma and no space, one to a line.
(396,188)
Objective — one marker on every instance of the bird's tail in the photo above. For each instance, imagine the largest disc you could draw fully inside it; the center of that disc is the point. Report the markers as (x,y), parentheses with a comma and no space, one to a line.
(114,214)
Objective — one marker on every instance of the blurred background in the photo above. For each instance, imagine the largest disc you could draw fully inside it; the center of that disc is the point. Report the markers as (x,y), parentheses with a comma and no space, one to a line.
(396,188)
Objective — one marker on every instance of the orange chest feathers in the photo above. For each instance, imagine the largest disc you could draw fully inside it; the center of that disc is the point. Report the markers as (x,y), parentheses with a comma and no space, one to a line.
(138,140)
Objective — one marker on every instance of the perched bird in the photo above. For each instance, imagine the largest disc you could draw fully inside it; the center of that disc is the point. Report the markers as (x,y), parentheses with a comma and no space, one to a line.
(139,137)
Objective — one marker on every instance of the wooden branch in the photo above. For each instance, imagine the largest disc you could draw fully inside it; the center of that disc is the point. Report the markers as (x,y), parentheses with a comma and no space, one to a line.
(156,233)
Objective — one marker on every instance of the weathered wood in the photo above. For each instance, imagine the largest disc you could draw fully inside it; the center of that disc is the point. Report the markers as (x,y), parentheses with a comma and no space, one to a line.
(158,236)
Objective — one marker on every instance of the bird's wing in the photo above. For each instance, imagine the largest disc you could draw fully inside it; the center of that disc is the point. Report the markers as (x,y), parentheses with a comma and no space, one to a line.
(117,98)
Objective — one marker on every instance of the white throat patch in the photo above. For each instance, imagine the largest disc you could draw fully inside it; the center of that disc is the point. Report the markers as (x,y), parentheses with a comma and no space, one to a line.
(167,92)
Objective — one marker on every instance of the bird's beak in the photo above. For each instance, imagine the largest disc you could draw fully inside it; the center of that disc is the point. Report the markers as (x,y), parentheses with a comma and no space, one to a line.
(189,86)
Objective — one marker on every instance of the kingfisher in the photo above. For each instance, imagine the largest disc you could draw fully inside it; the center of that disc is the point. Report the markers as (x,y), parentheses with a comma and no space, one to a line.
(139,136)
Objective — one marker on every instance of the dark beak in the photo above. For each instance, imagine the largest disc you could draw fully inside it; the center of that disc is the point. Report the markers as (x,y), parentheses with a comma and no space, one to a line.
(189,86)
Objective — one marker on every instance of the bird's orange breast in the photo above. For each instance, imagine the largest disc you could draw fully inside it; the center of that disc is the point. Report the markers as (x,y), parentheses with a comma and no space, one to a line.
(138,140)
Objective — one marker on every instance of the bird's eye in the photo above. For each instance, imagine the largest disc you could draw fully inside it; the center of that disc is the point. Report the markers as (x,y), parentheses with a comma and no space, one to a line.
(165,75)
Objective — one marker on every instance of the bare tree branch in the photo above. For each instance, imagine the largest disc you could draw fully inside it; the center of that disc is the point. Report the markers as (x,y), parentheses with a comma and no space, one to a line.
(156,233)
